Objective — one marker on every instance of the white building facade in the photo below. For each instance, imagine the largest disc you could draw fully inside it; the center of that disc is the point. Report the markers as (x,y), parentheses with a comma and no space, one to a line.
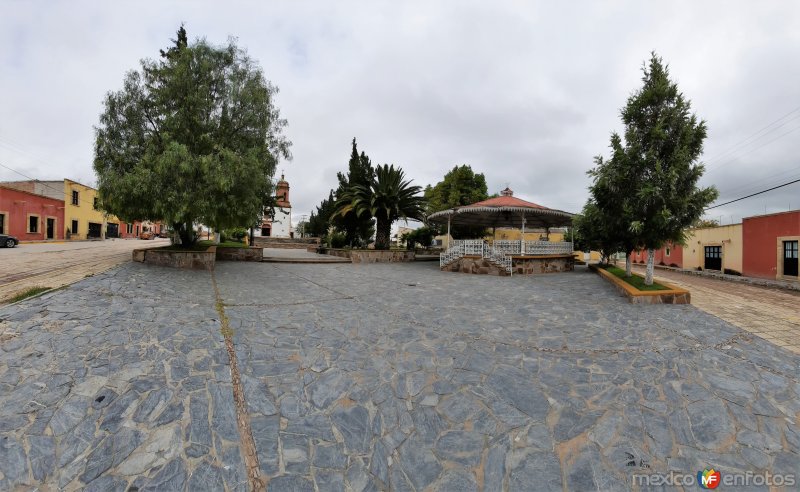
(280,224)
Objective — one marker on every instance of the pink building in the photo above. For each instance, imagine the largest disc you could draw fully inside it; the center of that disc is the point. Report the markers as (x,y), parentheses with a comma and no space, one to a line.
(30,217)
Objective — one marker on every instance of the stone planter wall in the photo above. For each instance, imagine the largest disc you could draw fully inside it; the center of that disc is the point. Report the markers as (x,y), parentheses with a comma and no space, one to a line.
(370,255)
(532,266)
(240,254)
(520,265)
(190,260)
(675,295)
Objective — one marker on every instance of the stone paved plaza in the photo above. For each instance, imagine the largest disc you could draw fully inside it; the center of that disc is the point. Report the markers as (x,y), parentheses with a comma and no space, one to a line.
(379,377)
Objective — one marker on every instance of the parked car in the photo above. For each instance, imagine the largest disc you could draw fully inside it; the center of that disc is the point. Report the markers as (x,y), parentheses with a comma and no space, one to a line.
(147,235)
(7,241)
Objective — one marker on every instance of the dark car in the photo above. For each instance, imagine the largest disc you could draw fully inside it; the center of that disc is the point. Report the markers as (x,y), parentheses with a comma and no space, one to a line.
(7,241)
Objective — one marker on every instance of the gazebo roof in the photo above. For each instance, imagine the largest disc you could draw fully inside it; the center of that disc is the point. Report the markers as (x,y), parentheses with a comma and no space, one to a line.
(503,211)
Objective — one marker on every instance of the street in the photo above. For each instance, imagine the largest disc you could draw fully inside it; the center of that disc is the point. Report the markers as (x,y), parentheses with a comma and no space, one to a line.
(57,264)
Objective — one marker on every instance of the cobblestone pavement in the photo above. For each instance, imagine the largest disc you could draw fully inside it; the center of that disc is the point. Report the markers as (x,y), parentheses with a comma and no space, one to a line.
(378,377)
(772,314)
(55,264)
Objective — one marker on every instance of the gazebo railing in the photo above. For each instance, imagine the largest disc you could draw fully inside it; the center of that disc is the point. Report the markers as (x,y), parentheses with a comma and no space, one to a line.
(499,258)
(501,251)
(507,247)
(548,248)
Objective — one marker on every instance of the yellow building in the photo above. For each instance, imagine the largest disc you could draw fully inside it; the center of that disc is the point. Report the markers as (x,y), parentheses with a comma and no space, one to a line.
(82,217)
(714,248)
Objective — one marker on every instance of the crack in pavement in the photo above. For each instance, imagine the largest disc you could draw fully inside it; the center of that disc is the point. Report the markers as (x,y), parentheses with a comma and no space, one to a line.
(248,448)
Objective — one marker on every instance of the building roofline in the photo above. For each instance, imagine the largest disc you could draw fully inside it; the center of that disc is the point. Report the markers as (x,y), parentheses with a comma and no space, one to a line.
(28,192)
(770,215)
(79,183)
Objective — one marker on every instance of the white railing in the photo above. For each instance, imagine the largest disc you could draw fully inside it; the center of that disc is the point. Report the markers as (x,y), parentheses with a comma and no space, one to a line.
(507,247)
(500,259)
(548,248)
(453,253)
(500,251)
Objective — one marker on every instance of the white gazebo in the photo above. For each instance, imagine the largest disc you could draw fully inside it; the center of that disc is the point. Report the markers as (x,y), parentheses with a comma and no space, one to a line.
(519,256)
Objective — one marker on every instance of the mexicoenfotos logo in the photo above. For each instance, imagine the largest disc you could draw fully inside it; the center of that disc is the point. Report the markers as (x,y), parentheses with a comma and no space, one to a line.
(709,479)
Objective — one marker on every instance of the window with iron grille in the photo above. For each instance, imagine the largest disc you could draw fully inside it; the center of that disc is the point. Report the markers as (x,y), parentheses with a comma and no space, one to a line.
(33,223)
(74,197)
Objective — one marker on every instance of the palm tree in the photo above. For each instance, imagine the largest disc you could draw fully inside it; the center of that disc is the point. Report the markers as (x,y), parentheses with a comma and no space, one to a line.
(387,197)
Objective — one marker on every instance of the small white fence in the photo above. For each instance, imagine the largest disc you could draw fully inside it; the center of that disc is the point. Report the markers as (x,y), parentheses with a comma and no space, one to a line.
(500,251)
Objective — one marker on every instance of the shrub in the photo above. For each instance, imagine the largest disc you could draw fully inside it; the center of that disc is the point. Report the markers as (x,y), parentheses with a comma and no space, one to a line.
(337,240)
(674,265)
(661,263)
(729,271)
(236,234)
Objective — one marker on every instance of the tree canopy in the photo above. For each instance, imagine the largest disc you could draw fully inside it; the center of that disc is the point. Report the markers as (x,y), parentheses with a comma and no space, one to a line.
(193,136)
(388,197)
(357,229)
(460,186)
(647,192)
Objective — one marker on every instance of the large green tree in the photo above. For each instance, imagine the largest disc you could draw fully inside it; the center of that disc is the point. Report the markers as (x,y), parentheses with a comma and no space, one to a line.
(460,186)
(663,145)
(193,136)
(607,216)
(320,221)
(358,229)
(388,197)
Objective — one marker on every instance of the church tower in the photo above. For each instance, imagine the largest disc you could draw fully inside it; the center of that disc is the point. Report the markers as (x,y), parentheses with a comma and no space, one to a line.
(280,224)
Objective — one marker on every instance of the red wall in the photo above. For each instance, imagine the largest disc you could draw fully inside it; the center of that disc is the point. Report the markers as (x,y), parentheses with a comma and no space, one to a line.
(18,204)
(760,241)
(675,256)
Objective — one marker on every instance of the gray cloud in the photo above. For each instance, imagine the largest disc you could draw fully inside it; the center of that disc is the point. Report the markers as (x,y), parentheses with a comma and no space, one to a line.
(525,92)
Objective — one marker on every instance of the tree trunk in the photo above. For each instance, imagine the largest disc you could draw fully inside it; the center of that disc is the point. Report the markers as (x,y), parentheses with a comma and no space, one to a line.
(383,229)
(648,276)
(628,264)
(185,233)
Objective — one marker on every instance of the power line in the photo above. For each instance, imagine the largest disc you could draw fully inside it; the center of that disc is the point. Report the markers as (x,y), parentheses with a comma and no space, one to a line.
(43,183)
(762,145)
(754,194)
(745,142)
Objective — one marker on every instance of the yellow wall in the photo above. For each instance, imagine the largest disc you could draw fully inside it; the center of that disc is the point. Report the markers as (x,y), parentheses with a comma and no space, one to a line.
(729,237)
(84,212)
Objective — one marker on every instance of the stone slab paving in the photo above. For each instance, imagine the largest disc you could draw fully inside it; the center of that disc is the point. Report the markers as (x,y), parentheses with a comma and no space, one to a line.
(769,313)
(118,382)
(402,377)
(55,264)
(380,377)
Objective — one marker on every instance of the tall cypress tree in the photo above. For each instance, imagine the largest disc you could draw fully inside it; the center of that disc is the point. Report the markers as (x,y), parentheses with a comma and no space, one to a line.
(360,172)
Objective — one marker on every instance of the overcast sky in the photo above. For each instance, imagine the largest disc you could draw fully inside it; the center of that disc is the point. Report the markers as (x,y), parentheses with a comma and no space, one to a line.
(524,92)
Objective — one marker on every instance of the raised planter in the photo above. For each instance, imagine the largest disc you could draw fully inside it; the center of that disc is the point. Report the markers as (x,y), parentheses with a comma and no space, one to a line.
(285,242)
(252,253)
(673,294)
(370,255)
(190,260)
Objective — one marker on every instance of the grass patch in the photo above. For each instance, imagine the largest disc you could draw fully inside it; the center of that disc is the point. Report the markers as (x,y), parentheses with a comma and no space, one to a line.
(633,280)
(28,293)
(226,244)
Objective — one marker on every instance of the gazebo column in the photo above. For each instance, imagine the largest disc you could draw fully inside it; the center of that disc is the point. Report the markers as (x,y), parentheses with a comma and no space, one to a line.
(522,246)
(448,233)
